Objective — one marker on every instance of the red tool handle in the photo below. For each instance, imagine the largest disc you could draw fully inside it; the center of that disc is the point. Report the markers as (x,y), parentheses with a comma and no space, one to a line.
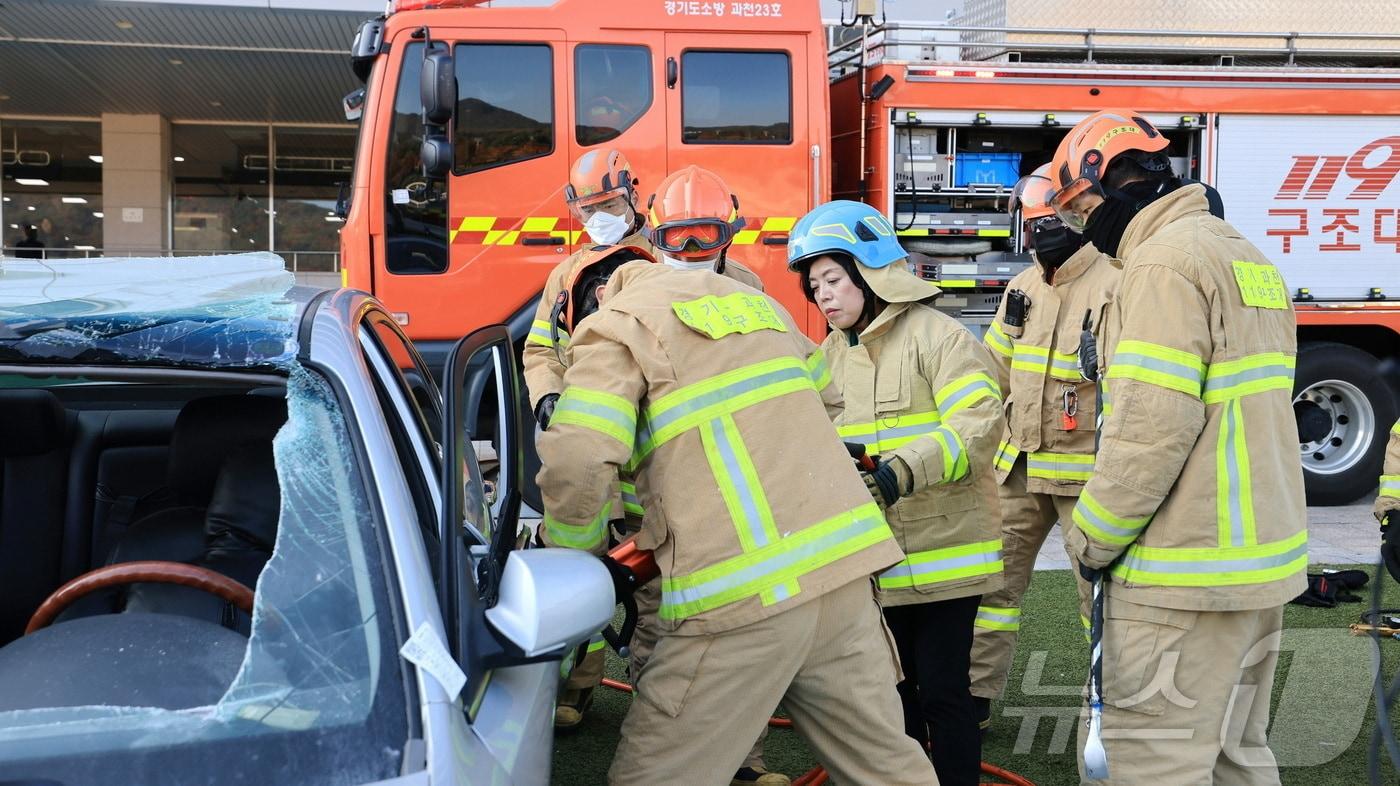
(641,563)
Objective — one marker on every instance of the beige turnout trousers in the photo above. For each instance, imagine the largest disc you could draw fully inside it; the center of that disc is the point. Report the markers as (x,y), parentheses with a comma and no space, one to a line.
(701,700)
(648,597)
(1026,520)
(1186,695)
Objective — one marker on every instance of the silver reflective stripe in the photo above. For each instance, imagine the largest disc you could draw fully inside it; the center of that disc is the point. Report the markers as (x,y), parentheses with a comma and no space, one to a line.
(1070,367)
(883,434)
(1156,364)
(1232,474)
(1098,521)
(753,521)
(781,563)
(914,571)
(1390,485)
(1006,616)
(543,334)
(1133,562)
(976,385)
(569,403)
(660,421)
(1248,375)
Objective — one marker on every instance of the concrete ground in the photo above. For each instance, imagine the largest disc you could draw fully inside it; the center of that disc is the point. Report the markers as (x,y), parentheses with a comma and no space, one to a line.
(1343,535)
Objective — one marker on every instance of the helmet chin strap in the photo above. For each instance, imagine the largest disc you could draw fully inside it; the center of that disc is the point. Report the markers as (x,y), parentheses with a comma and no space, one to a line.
(719,264)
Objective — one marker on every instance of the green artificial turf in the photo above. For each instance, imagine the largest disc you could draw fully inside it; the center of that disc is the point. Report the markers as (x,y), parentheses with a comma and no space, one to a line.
(1318,731)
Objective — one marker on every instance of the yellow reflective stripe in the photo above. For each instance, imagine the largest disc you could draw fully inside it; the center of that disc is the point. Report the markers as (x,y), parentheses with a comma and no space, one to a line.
(476,223)
(1234,495)
(631,503)
(778,223)
(596,643)
(1214,567)
(1060,466)
(539,223)
(540,334)
(718,316)
(956,283)
(1092,517)
(996,618)
(681,410)
(955,464)
(1006,456)
(1395,429)
(890,433)
(1039,360)
(1251,374)
(1158,365)
(997,340)
(603,412)
(818,370)
(586,536)
(922,568)
(1106,403)
(781,563)
(1084,621)
(738,483)
(1390,486)
(963,392)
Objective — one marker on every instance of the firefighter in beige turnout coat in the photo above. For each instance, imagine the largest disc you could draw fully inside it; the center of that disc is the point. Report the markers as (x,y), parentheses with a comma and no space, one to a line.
(1195,512)
(764,533)
(1047,451)
(920,394)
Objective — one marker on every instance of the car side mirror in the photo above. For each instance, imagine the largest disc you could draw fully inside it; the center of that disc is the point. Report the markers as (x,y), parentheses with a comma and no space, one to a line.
(551,599)
(436,155)
(438,85)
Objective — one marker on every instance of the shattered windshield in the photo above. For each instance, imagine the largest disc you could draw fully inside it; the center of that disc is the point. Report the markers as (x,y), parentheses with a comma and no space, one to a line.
(203,312)
(319,696)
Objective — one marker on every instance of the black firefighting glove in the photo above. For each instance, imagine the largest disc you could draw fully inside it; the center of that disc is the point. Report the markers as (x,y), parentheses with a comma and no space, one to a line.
(1390,544)
(1087,573)
(544,411)
(1088,350)
(883,484)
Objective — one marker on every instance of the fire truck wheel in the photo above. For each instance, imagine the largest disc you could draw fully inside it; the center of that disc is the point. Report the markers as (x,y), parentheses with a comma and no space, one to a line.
(1344,410)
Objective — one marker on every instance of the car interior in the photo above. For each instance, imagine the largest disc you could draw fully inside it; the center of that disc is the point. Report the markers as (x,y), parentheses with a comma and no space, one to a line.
(95,474)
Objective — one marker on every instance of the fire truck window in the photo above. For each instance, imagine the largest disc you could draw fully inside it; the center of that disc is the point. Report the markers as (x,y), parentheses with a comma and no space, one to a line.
(736,98)
(505,104)
(415,214)
(612,89)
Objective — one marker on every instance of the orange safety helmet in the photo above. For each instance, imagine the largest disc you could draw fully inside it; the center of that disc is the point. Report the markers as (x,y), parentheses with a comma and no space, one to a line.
(1031,195)
(598,176)
(594,267)
(1086,152)
(693,214)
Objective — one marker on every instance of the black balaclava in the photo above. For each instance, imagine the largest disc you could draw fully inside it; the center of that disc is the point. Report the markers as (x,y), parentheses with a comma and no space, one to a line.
(1120,205)
(847,264)
(1053,243)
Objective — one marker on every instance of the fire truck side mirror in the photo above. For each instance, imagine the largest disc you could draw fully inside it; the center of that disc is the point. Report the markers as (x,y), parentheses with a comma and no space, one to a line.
(368,44)
(436,154)
(438,85)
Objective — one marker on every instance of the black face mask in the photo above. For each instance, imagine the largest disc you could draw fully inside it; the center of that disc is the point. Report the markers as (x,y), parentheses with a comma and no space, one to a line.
(1054,242)
(1110,219)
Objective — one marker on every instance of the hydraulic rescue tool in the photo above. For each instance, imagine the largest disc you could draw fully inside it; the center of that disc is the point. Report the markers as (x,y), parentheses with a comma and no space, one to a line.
(1095,758)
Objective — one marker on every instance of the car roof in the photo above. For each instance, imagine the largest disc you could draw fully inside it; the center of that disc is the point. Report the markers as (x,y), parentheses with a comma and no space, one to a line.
(236,312)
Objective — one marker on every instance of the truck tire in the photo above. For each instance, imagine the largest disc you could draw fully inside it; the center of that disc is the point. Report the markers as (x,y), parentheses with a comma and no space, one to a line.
(1345,410)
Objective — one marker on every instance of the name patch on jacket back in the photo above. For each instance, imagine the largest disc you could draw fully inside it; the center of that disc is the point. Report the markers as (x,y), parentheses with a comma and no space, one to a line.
(1260,285)
(718,316)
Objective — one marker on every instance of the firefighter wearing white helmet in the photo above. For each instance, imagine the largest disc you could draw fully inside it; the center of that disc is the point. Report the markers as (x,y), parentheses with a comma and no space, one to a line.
(1047,451)
(920,394)
(1194,519)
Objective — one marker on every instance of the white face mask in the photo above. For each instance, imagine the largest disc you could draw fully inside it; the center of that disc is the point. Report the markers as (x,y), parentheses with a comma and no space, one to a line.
(606,228)
(689,264)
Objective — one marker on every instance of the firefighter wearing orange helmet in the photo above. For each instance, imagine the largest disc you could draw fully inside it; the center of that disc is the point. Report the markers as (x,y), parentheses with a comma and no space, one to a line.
(764,533)
(1194,519)
(693,218)
(1047,450)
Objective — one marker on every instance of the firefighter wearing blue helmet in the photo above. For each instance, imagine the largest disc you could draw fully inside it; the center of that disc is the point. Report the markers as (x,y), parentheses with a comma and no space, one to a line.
(921,397)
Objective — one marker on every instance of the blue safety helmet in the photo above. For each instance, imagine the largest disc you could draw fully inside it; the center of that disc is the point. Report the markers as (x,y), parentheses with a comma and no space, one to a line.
(851,228)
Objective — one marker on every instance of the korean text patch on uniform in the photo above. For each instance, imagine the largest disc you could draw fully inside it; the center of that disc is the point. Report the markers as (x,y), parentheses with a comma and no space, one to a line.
(718,316)
(1260,285)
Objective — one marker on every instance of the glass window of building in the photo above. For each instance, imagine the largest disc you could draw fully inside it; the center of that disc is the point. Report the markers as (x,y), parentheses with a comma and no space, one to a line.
(736,98)
(51,189)
(220,193)
(311,165)
(505,104)
(612,86)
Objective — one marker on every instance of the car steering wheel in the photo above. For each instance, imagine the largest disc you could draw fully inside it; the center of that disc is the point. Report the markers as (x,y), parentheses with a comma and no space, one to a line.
(156,571)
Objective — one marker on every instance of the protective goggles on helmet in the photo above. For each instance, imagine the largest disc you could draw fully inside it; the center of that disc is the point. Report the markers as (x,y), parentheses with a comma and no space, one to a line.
(695,235)
(583,207)
(1073,203)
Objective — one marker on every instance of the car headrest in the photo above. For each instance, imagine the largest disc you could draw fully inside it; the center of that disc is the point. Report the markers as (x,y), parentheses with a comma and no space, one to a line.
(32,422)
(208,430)
(247,500)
